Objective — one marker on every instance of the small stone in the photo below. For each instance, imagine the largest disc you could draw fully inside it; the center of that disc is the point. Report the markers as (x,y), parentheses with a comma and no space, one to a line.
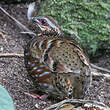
(36,105)
(1,48)
(27,80)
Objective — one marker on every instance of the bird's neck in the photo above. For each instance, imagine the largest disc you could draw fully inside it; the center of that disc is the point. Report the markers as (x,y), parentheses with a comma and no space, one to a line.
(51,33)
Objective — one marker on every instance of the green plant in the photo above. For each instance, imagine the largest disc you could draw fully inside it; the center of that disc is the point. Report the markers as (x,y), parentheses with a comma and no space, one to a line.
(6,102)
(89,19)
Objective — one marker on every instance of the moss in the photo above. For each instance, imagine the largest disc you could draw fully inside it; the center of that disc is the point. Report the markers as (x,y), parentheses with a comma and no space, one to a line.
(89,19)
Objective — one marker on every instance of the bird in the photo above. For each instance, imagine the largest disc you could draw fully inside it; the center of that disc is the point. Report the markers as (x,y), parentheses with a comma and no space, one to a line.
(56,62)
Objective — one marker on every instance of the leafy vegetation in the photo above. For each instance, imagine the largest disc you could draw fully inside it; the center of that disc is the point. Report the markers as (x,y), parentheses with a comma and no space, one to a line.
(88,19)
(6,102)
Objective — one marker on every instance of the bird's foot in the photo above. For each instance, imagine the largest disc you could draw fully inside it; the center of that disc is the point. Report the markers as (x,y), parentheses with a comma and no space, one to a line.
(42,97)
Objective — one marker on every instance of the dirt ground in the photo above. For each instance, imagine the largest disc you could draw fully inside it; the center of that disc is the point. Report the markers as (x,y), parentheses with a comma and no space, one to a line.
(13,71)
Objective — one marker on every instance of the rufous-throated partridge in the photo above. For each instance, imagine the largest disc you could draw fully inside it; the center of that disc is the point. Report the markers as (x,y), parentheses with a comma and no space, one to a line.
(56,61)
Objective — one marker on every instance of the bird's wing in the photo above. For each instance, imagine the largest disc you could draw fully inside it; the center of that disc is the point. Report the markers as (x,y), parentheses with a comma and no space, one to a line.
(58,55)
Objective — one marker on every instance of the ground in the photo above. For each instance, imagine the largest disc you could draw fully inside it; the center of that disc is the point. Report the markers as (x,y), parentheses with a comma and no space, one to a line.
(13,72)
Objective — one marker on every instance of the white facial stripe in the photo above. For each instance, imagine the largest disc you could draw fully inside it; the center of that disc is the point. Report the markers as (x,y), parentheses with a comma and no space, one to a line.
(53,25)
(49,22)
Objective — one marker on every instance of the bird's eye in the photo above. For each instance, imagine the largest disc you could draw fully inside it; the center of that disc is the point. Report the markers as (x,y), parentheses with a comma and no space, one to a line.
(43,22)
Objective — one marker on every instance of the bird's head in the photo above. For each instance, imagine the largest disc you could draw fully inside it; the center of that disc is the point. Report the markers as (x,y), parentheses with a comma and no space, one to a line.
(46,24)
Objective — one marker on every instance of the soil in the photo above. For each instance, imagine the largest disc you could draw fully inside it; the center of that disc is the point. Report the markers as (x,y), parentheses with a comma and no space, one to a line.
(13,72)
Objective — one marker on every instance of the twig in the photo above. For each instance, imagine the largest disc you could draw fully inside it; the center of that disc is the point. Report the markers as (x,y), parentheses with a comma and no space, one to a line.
(21,26)
(11,55)
(30,33)
(100,68)
(1,30)
(74,101)
(94,74)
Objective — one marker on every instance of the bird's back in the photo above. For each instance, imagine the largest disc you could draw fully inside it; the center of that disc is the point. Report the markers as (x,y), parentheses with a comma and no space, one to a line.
(61,55)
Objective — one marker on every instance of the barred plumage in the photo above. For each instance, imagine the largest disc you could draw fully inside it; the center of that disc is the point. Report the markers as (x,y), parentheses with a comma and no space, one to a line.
(57,62)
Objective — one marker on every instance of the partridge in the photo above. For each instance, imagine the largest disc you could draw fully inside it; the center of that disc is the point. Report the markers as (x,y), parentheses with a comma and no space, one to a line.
(57,62)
